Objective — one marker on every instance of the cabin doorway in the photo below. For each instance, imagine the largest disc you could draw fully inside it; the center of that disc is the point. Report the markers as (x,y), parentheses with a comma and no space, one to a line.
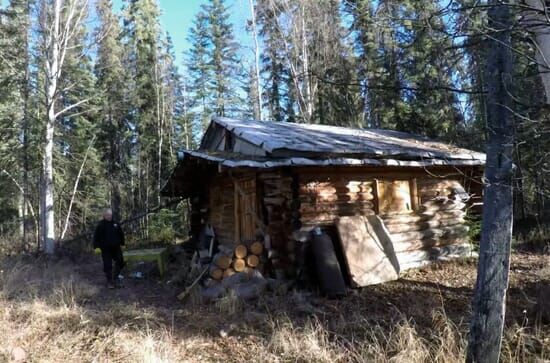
(245,209)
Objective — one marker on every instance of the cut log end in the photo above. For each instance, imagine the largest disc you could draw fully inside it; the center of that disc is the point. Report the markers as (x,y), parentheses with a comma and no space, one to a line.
(252,260)
(216,273)
(239,264)
(241,251)
(257,248)
(228,272)
(222,261)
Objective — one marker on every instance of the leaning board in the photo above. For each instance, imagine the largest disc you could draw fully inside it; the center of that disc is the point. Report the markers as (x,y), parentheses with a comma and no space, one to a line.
(368,249)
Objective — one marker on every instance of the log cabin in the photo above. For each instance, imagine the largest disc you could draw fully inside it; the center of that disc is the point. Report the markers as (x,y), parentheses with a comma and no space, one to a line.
(277,181)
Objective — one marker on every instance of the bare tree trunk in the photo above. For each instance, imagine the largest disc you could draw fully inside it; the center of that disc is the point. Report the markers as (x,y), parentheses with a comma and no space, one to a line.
(494,257)
(537,21)
(75,188)
(258,84)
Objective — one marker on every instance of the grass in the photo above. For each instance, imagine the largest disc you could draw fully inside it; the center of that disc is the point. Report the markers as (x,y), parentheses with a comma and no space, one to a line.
(59,311)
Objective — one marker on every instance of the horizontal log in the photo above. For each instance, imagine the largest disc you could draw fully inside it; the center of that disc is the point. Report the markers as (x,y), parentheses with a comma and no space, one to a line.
(423,224)
(325,217)
(418,258)
(445,232)
(306,208)
(334,189)
(421,244)
(414,217)
(434,205)
(334,197)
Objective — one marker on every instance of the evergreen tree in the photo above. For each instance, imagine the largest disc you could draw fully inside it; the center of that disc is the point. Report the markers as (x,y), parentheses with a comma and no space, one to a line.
(141,27)
(212,63)
(200,69)
(113,140)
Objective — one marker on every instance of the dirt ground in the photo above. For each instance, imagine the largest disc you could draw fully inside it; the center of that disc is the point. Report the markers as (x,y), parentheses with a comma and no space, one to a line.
(422,301)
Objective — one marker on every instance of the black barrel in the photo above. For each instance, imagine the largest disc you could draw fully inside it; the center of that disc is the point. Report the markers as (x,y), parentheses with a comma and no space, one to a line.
(329,273)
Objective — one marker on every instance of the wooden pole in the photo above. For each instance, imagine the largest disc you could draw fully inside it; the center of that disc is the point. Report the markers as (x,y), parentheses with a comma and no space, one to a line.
(489,302)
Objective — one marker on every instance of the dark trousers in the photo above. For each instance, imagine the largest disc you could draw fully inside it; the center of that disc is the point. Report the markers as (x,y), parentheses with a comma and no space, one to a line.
(108,255)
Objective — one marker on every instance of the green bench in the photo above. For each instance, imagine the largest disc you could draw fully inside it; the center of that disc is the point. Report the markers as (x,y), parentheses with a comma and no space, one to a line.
(150,254)
(158,255)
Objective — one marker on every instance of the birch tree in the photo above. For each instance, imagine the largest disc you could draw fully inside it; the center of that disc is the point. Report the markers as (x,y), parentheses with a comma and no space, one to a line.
(58,24)
(489,303)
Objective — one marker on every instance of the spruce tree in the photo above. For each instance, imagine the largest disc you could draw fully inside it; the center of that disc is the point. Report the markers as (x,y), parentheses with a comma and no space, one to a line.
(114,133)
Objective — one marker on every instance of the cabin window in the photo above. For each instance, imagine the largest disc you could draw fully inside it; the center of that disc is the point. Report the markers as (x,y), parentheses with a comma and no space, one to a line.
(396,196)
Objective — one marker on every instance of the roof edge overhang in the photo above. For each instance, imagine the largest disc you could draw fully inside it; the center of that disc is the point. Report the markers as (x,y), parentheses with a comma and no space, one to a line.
(330,161)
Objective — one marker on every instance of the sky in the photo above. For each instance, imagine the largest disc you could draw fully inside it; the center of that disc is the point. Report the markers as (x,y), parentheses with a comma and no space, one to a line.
(177,18)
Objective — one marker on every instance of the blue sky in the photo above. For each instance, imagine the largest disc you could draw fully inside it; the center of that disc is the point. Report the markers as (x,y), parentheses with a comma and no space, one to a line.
(177,17)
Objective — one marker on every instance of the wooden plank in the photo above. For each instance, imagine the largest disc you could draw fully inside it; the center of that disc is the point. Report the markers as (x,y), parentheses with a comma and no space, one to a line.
(368,250)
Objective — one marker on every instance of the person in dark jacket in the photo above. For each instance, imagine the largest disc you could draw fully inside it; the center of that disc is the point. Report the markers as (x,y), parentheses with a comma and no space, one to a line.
(109,238)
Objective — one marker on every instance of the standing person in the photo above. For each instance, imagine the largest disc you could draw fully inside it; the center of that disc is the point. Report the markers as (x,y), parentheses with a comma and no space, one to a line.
(109,238)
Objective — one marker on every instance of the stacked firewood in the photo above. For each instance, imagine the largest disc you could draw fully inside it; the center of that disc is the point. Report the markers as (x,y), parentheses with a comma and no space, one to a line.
(242,258)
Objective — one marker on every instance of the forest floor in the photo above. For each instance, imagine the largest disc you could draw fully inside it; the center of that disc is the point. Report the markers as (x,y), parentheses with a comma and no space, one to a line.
(53,311)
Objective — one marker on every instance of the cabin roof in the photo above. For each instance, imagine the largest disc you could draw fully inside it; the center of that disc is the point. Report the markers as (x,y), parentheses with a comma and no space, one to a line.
(284,139)
(231,143)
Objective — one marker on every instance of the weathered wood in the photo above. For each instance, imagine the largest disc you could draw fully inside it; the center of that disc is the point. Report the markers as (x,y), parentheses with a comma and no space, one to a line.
(420,217)
(342,207)
(419,258)
(421,244)
(489,303)
(434,205)
(368,249)
(334,197)
(445,232)
(423,225)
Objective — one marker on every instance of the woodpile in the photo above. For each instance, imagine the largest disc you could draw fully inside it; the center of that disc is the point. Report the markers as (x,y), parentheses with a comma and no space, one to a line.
(230,261)
(278,201)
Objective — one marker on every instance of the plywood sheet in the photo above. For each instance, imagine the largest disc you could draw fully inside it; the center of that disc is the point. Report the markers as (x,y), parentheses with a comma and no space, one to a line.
(368,249)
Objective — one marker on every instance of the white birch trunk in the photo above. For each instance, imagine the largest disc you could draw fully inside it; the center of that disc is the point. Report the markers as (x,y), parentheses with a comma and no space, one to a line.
(52,76)
(256,61)
(56,43)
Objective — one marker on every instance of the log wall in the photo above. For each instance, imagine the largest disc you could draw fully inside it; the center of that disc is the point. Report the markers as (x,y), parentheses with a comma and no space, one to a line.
(434,229)
(437,225)
(323,197)
(300,198)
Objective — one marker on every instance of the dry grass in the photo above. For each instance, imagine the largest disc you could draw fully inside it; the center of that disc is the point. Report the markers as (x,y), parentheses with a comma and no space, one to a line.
(55,314)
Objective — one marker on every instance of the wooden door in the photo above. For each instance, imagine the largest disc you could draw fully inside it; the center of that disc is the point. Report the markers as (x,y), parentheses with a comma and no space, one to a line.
(245,209)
